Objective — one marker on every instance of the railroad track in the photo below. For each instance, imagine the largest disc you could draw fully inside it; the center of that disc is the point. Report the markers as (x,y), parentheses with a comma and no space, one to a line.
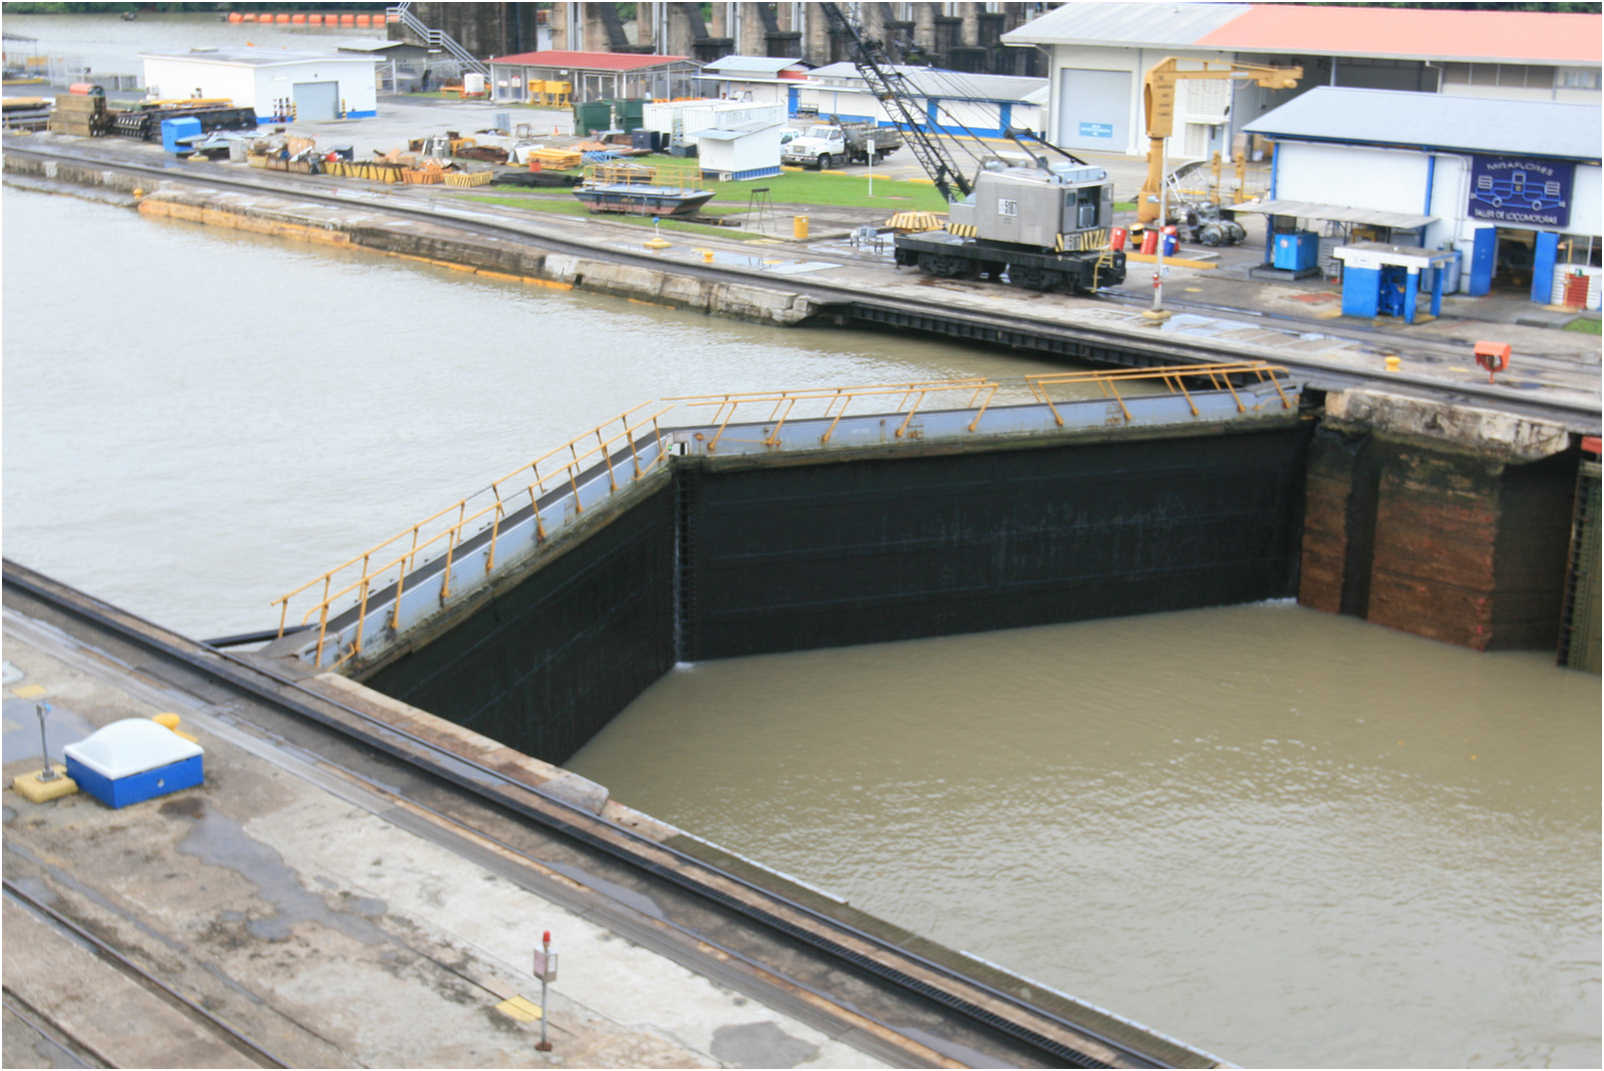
(1050,1031)
(209,1020)
(936,315)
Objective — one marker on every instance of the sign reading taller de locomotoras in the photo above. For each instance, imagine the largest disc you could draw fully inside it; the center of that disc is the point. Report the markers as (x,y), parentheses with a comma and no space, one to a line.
(1521,189)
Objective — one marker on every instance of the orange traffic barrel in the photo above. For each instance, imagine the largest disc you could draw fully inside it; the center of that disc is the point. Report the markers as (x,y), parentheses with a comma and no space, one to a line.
(363,20)
(297,20)
(282,20)
(235,16)
(249,16)
(347,20)
(314,20)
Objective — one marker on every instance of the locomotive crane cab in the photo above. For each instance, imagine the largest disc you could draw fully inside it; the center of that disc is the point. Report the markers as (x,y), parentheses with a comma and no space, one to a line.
(1063,207)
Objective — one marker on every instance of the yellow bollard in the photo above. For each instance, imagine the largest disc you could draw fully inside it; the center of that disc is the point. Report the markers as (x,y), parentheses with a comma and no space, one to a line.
(707,256)
(170,722)
(1393,363)
(799,227)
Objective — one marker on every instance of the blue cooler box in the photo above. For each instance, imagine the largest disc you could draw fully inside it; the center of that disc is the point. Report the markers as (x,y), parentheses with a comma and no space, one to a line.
(133,760)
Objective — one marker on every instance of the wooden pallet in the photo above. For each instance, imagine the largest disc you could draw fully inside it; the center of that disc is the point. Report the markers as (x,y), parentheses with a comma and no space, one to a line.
(469,178)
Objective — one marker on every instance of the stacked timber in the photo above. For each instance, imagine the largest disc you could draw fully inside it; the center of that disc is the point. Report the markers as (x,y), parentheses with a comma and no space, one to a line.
(82,114)
(25,113)
(554,159)
(469,178)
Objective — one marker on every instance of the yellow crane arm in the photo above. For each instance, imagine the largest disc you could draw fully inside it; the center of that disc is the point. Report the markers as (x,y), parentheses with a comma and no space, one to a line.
(1158,100)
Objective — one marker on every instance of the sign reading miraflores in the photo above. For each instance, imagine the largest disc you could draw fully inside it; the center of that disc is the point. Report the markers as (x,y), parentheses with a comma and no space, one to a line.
(1521,189)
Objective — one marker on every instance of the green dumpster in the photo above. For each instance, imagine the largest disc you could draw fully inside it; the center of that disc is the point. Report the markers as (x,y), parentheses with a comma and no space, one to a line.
(592,115)
(631,114)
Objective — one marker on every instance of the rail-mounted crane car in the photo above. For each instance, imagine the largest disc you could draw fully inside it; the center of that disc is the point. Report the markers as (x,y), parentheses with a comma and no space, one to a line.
(1042,225)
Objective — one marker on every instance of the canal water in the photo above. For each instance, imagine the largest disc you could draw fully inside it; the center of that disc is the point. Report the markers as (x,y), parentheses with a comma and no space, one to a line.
(105,44)
(1287,837)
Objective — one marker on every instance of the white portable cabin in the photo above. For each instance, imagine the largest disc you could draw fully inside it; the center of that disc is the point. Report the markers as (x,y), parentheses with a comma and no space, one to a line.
(743,142)
(319,85)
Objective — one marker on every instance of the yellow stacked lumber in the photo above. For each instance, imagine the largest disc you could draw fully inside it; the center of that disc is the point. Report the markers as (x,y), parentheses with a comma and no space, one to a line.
(556,159)
(469,178)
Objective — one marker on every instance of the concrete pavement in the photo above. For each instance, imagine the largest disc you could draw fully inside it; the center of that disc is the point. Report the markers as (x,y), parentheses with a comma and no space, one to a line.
(305,910)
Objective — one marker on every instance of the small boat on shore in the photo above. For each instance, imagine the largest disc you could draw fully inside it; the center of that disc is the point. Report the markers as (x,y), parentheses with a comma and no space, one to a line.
(642,200)
(635,190)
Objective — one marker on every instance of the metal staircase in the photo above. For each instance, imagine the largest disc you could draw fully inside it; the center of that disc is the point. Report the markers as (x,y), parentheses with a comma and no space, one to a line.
(436,38)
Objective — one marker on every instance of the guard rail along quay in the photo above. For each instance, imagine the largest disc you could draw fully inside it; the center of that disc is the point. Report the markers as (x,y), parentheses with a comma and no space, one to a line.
(364,606)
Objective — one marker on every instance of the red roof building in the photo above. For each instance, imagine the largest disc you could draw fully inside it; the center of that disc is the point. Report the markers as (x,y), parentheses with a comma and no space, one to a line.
(1100,52)
(591,76)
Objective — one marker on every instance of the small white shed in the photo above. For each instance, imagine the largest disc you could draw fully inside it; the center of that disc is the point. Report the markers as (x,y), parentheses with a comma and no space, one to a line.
(318,85)
(742,142)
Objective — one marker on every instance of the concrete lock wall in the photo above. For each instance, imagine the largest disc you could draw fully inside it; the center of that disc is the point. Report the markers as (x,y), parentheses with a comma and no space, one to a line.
(860,546)
(1440,542)
(544,665)
(802,556)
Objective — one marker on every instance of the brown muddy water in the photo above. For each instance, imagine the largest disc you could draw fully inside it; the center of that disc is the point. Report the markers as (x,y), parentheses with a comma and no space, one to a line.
(1287,837)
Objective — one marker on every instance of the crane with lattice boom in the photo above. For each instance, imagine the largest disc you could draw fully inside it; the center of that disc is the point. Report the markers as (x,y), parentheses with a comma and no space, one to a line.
(892,89)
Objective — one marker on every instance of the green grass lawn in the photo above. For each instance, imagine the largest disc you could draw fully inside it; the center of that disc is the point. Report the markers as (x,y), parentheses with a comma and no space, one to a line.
(1584,325)
(563,203)
(810,188)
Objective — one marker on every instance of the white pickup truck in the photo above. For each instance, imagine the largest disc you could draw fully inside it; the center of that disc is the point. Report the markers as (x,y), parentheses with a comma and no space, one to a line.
(823,145)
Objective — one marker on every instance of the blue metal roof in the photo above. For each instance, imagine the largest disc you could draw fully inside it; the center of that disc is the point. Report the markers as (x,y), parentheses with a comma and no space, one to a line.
(1434,121)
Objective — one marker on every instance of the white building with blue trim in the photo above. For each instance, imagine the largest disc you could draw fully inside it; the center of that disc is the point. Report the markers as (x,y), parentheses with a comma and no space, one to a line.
(1514,185)
(742,142)
(952,101)
(317,85)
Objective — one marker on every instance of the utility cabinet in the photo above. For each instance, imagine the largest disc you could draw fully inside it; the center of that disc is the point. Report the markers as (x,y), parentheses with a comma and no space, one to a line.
(1296,250)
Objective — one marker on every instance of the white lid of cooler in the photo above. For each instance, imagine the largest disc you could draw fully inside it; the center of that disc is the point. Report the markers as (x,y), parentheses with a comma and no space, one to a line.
(131,746)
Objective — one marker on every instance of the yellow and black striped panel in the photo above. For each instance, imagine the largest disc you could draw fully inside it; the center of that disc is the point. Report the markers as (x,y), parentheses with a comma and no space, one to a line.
(1081,241)
(962,230)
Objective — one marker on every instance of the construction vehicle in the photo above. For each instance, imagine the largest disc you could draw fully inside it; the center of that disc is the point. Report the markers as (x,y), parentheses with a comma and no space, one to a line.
(1043,226)
(1158,99)
(831,141)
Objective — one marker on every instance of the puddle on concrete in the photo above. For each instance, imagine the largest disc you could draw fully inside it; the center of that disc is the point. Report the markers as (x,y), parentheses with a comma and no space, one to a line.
(9,674)
(221,841)
(21,729)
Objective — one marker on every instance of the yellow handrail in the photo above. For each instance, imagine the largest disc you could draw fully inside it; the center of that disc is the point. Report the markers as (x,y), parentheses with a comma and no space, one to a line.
(359,576)
(456,531)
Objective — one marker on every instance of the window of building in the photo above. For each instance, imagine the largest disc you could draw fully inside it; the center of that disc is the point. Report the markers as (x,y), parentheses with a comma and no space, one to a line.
(1576,78)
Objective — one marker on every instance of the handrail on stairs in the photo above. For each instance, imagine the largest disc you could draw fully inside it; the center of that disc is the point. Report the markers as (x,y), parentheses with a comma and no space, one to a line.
(437,38)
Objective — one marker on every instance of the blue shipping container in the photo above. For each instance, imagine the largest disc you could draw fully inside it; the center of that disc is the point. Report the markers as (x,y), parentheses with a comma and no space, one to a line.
(175,129)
